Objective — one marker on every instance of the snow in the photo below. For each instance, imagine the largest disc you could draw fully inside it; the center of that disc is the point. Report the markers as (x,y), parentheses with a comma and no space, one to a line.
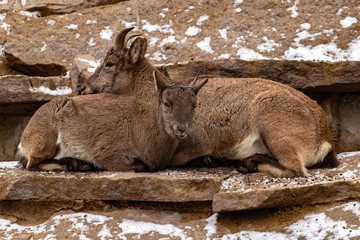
(140,228)
(294,9)
(90,22)
(268,46)
(4,2)
(237,10)
(58,91)
(166,29)
(9,164)
(106,33)
(50,21)
(211,225)
(72,27)
(223,33)
(35,14)
(91,42)
(340,11)
(347,154)
(201,19)
(93,65)
(129,24)
(205,45)
(43,48)
(348,21)
(192,31)
(153,41)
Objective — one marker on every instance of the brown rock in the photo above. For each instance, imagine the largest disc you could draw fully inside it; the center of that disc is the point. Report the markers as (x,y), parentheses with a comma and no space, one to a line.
(48,7)
(320,186)
(349,111)
(23,89)
(195,34)
(167,186)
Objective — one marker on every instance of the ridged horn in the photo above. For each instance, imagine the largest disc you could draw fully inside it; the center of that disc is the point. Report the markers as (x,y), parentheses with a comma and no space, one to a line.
(193,83)
(169,80)
(120,39)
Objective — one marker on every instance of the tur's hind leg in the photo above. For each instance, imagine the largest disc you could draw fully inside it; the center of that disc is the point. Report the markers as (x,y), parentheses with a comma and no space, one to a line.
(39,150)
(288,152)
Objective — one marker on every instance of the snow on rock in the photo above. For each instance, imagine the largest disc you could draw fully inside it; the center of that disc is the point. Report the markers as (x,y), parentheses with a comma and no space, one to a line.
(106,33)
(205,45)
(72,27)
(57,91)
(192,31)
(93,65)
(348,21)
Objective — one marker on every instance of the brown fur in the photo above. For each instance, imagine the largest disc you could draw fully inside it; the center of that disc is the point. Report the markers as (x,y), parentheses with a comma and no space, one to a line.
(110,132)
(236,117)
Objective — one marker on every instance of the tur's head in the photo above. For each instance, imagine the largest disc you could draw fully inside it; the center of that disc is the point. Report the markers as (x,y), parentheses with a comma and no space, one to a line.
(113,75)
(176,104)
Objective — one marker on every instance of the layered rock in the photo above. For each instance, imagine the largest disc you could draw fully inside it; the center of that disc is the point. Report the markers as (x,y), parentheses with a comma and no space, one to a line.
(49,7)
(227,189)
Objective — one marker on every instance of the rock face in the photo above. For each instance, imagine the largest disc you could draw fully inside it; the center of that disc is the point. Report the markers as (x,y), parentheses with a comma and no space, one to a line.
(227,189)
(48,7)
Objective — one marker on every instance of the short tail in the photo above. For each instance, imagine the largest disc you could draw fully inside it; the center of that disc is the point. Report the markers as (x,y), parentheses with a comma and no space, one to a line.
(329,161)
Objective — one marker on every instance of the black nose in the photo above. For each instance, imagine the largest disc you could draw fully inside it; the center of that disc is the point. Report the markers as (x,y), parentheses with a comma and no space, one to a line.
(83,88)
(181,128)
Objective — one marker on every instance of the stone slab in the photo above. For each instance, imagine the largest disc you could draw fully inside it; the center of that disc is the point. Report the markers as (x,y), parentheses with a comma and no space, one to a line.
(165,186)
(24,89)
(228,189)
(256,191)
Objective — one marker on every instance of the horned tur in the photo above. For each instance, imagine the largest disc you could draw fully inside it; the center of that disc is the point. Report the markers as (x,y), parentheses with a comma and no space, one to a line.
(271,127)
(108,131)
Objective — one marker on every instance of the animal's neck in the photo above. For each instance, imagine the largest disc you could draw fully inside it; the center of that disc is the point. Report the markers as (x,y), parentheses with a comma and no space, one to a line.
(142,79)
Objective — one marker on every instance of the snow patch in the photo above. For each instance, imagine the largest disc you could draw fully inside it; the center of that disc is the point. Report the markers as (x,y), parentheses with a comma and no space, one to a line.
(9,165)
(106,33)
(268,46)
(6,27)
(201,19)
(35,14)
(50,21)
(140,228)
(192,31)
(4,2)
(223,33)
(90,22)
(205,45)
(153,41)
(166,29)
(340,11)
(43,48)
(58,91)
(93,65)
(347,154)
(189,8)
(158,56)
(294,9)
(348,21)
(72,27)
(129,24)
(211,225)
(91,42)
(224,56)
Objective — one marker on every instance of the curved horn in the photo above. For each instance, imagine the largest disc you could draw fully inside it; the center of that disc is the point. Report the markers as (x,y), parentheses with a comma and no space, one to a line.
(120,39)
(132,36)
(169,80)
(192,84)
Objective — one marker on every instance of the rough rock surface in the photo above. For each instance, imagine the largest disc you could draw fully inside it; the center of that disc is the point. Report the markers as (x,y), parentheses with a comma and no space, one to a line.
(48,7)
(114,221)
(226,188)
(24,89)
(201,31)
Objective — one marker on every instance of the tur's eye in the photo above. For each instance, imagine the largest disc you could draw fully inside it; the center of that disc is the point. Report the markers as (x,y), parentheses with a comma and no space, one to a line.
(166,104)
(109,64)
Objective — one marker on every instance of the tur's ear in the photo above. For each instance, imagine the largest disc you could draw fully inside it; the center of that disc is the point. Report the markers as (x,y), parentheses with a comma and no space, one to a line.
(199,86)
(137,50)
(160,84)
